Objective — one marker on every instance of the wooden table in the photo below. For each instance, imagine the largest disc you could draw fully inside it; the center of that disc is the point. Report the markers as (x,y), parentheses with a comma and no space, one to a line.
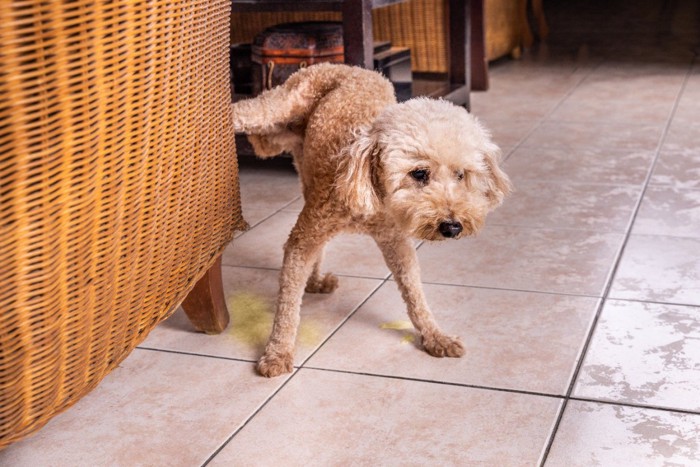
(358,41)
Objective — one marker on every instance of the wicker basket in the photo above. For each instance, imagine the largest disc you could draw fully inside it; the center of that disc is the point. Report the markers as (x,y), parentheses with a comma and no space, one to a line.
(118,185)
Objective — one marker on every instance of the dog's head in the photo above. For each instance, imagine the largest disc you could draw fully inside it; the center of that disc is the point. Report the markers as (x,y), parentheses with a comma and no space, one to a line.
(427,164)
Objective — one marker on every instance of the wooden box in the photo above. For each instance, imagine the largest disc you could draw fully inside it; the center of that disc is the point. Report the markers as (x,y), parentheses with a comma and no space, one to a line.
(280,50)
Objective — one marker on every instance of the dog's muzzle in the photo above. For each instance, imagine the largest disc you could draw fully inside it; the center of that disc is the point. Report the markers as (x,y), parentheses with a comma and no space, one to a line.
(450,229)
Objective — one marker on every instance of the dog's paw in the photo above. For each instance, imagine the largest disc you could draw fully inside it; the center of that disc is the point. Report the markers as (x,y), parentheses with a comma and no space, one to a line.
(274,364)
(326,284)
(440,345)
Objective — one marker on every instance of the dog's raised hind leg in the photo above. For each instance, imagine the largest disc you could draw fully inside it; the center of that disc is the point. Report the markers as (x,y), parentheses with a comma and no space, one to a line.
(300,253)
(400,255)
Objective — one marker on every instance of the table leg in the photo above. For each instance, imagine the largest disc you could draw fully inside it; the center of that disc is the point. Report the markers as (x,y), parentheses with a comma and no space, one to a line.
(479,61)
(459,14)
(357,33)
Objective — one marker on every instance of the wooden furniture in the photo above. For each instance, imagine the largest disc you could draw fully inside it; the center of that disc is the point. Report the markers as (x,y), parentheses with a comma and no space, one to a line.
(358,36)
(499,28)
(118,188)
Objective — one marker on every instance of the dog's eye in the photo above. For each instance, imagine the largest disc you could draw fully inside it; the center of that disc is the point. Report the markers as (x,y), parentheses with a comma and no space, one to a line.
(421,175)
(460,175)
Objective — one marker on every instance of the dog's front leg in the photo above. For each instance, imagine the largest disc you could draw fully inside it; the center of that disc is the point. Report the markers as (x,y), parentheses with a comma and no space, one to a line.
(400,255)
(300,253)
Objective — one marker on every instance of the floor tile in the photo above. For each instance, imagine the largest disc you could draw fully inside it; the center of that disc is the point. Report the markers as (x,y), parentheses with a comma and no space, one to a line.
(515,340)
(155,409)
(544,260)
(648,80)
(325,418)
(610,94)
(607,435)
(254,216)
(681,136)
(669,211)
(602,208)
(544,72)
(262,247)
(654,71)
(644,353)
(634,110)
(679,167)
(251,296)
(660,269)
(528,109)
(581,165)
(506,133)
(572,135)
(295,206)
(687,111)
(268,187)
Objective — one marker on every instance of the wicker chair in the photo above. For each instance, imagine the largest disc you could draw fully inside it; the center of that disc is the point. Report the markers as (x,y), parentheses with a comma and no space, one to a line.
(118,188)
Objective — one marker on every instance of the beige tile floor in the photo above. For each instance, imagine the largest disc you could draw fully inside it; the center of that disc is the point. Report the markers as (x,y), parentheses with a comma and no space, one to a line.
(579,303)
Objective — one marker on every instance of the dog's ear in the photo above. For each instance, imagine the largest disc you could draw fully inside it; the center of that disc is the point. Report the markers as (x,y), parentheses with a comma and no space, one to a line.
(357,182)
(498,183)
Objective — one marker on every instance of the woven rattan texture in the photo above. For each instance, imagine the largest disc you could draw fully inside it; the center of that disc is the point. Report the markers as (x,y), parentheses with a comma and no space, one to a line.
(118,185)
(417,24)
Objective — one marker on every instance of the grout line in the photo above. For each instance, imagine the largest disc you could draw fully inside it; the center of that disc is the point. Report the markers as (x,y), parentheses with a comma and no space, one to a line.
(249,419)
(281,209)
(635,212)
(507,390)
(574,376)
(616,264)
(555,229)
(296,371)
(547,115)
(504,289)
(634,405)
(521,143)
(441,383)
(654,302)
(194,354)
(345,320)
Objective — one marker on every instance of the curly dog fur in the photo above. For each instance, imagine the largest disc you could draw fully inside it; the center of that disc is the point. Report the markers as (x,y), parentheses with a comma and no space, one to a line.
(424,168)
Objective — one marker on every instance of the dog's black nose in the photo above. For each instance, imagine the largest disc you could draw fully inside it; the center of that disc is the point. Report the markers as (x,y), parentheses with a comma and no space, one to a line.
(450,229)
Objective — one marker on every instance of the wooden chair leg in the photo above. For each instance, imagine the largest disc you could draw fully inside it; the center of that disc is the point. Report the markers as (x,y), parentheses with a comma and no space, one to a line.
(526,37)
(538,13)
(205,305)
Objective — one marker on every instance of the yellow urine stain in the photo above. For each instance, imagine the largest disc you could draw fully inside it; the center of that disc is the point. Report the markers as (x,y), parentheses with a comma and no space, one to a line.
(404,327)
(408,339)
(309,335)
(399,325)
(251,318)
(251,321)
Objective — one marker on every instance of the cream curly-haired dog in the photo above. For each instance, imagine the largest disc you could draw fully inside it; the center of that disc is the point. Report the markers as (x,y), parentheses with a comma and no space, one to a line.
(424,168)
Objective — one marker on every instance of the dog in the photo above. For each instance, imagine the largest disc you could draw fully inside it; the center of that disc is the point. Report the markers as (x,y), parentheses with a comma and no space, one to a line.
(424,169)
